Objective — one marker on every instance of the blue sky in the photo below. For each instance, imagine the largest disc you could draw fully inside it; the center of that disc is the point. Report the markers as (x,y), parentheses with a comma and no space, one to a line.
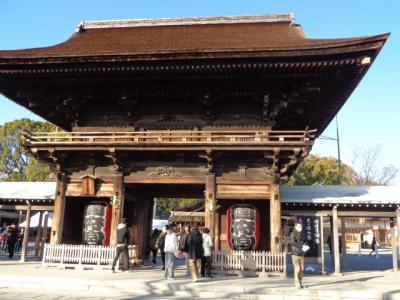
(369,118)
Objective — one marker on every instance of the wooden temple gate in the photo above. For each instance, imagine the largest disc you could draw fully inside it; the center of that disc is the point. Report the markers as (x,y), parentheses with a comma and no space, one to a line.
(221,107)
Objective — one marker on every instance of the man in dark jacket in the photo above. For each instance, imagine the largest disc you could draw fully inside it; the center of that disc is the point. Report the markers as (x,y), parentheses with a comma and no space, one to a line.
(123,238)
(194,246)
(11,239)
(160,244)
(183,248)
(298,249)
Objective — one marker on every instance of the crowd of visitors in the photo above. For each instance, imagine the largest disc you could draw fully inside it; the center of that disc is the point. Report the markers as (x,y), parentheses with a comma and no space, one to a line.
(11,239)
(192,245)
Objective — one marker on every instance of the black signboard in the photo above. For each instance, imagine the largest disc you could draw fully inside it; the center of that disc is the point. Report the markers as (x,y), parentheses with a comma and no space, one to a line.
(311,231)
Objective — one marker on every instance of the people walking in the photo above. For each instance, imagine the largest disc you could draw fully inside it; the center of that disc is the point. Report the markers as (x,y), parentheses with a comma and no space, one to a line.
(373,246)
(161,243)
(11,239)
(298,249)
(153,248)
(195,251)
(206,260)
(123,238)
(171,251)
(183,248)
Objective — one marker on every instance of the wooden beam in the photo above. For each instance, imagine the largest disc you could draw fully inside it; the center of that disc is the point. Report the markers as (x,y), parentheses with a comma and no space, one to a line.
(161,180)
(348,214)
(26,234)
(25,207)
(335,241)
(118,206)
(275,218)
(59,209)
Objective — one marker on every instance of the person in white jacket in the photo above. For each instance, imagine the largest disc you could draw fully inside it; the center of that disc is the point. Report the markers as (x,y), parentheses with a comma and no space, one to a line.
(171,251)
(206,260)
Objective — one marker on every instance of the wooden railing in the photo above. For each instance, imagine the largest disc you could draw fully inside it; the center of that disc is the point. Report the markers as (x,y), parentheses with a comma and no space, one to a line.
(262,262)
(82,255)
(169,137)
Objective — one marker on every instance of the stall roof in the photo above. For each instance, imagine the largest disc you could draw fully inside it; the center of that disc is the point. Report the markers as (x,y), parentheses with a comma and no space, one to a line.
(341,194)
(21,191)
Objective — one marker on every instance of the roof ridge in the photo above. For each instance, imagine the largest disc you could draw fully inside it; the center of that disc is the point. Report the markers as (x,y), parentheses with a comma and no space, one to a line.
(274,18)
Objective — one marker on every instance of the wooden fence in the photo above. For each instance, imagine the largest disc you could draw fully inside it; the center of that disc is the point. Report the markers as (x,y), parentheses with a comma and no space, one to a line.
(82,256)
(242,262)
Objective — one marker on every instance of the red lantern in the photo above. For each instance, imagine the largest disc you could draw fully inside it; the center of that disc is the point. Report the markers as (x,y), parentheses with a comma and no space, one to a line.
(243,227)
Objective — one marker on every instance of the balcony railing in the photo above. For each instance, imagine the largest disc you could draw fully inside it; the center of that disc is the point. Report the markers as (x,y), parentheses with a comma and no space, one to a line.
(169,138)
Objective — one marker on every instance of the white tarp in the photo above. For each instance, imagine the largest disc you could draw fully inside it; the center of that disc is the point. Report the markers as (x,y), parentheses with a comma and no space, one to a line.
(159,223)
(35,221)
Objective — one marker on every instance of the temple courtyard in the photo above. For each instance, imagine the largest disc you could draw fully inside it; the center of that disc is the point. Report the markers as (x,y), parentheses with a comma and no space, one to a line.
(367,278)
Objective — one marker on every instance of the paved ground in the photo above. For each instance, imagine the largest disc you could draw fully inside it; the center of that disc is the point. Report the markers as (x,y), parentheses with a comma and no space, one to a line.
(31,281)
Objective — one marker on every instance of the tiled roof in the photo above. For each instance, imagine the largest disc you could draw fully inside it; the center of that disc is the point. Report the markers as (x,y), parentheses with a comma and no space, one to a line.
(341,194)
(172,36)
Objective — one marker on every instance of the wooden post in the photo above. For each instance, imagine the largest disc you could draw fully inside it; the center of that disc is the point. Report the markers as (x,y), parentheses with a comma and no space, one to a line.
(217,231)
(322,244)
(59,209)
(44,233)
(335,242)
(398,232)
(275,218)
(344,251)
(394,248)
(210,204)
(19,218)
(26,234)
(118,206)
(38,234)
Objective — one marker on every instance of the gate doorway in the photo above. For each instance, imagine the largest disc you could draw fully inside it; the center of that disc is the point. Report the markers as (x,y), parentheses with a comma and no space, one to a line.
(139,205)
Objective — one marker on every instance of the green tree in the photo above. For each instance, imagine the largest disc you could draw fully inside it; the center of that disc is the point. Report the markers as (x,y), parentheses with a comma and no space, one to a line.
(323,170)
(171,204)
(15,164)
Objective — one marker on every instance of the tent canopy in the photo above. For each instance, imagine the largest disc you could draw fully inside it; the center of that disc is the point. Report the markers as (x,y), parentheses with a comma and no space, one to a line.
(35,221)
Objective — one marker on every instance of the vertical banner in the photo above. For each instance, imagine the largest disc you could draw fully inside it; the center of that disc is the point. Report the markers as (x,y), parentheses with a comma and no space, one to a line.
(311,231)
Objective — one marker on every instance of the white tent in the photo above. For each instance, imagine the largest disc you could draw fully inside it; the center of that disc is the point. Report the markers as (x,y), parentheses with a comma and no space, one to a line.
(35,221)
(159,224)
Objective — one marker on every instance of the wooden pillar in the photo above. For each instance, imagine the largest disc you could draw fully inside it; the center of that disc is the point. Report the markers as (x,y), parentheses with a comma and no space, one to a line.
(394,248)
(210,206)
(275,218)
(322,244)
(217,231)
(344,251)
(44,232)
(26,234)
(59,209)
(38,234)
(19,218)
(398,232)
(335,241)
(118,206)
